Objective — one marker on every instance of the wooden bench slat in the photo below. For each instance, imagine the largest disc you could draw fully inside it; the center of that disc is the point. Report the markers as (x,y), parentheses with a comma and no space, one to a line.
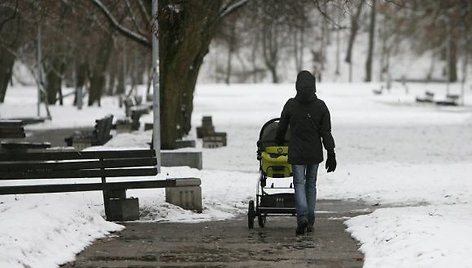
(63,174)
(9,130)
(20,166)
(25,145)
(12,135)
(11,123)
(80,187)
(45,156)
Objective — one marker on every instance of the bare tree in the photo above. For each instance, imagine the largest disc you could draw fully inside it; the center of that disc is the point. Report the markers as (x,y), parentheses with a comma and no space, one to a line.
(186,29)
(276,23)
(352,36)
(370,50)
(10,31)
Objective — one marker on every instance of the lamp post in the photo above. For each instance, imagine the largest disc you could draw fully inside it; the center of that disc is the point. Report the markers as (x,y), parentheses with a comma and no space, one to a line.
(156,131)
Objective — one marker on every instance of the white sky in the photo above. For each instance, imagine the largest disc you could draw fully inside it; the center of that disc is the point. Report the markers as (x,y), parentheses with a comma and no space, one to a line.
(414,159)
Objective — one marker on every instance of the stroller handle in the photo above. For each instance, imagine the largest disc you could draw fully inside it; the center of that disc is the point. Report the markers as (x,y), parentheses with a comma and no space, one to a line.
(267,124)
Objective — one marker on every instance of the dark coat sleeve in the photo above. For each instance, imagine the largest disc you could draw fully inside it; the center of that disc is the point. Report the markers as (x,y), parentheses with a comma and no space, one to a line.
(325,130)
(283,124)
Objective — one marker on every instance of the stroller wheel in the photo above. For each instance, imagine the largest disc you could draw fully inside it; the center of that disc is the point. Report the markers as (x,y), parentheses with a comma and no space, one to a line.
(261,220)
(251,215)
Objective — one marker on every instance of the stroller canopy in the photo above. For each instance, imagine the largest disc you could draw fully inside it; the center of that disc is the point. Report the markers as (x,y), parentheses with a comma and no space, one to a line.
(268,133)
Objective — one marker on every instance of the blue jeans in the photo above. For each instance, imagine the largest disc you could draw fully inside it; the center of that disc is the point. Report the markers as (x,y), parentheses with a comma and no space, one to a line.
(304,179)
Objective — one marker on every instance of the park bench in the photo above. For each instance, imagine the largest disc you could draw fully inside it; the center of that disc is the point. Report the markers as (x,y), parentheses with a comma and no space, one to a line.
(131,123)
(131,102)
(98,136)
(214,140)
(206,128)
(12,133)
(23,146)
(451,100)
(134,109)
(211,138)
(428,97)
(11,129)
(84,166)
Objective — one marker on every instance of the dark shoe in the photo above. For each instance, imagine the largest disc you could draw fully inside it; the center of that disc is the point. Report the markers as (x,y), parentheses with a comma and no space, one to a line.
(301,228)
(309,229)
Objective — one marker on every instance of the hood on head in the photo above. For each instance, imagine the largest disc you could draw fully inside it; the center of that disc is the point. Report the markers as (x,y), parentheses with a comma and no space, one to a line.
(306,87)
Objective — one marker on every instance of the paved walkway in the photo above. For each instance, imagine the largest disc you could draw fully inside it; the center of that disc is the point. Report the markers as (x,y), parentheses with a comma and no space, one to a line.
(230,243)
(225,243)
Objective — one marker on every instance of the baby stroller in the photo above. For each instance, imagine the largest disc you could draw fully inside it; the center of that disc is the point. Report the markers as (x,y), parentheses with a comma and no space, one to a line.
(273,163)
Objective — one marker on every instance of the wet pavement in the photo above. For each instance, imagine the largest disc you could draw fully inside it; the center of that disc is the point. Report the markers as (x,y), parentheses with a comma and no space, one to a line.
(231,244)
(224,243)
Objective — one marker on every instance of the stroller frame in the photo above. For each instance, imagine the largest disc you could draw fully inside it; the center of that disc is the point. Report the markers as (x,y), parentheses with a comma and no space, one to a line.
(270,204)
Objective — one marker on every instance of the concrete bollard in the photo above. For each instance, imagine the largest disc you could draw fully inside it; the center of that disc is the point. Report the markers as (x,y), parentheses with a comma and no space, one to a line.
(181,158)
(188,197)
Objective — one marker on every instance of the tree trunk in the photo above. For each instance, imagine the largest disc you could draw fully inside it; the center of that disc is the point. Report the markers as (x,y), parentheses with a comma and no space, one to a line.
(232,39)
(6,66)
(121,69)
(54,79)
(370,51)
(80,76)
(97,75)
(10,38)
(298,45)
(452,61)
(229,64)
(273,73)
(324,32)
(184,38)
(270,50)
(142,68)
(254,54)
(338,45)
(111,82)
(354,28)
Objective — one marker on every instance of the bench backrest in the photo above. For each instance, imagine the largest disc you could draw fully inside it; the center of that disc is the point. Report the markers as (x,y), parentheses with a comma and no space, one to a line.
(102,130)
(11,129)
(73,164)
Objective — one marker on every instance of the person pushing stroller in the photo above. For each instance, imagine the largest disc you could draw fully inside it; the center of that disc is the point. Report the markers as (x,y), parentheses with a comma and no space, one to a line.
(310,127)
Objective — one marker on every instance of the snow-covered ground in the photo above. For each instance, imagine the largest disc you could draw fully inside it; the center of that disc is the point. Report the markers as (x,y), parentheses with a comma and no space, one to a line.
(413,159)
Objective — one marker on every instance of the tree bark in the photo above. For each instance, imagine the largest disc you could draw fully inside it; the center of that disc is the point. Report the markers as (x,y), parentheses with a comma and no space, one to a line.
(7,60)
(185,32)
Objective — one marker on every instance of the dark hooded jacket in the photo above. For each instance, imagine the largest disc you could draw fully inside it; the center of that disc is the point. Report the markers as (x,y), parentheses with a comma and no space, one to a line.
(309,121)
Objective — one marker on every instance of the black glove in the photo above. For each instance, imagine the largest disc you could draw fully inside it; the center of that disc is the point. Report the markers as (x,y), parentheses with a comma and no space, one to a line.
(331,161)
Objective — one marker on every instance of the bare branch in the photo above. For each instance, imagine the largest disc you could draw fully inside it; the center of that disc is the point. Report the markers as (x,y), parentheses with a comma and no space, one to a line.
(398,3)
(10,17)
(232,7)
(324,14)
(133,18)
(144,12)
(143,40)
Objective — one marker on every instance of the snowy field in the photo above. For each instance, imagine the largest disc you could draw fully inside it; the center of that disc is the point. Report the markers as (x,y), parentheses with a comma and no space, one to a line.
(414,160)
